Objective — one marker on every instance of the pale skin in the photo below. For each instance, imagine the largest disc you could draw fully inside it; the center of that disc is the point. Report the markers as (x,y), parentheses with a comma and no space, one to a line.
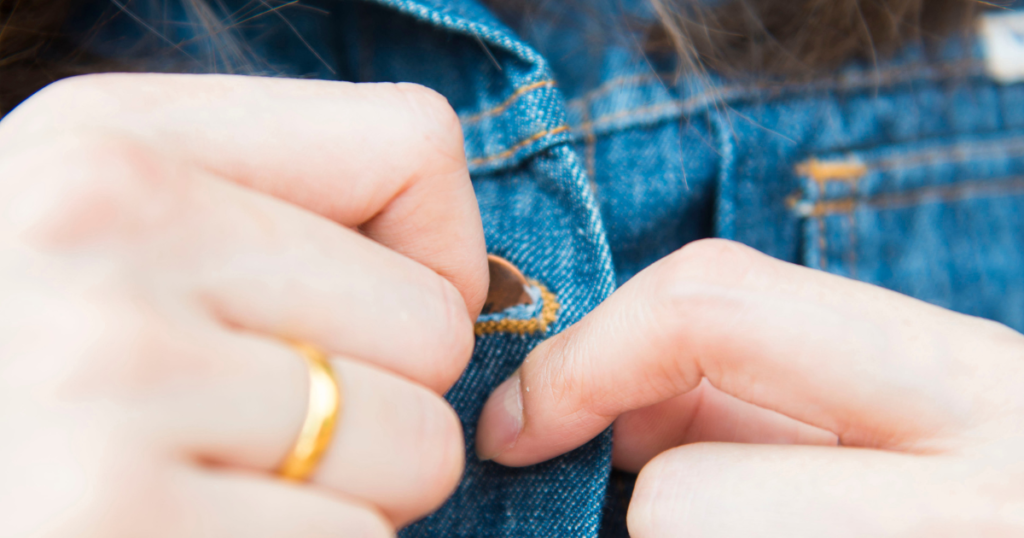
(163,234)
(731,377)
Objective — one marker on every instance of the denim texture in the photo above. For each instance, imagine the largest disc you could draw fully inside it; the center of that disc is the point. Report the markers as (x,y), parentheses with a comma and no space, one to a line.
(590,162)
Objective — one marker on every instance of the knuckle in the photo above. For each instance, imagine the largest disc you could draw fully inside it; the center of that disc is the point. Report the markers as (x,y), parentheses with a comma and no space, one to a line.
(436,122)
(715,261)
(66,101)
(686,295)
(430,106)
(87,87)
(116,166)
(90,187)
(132,354)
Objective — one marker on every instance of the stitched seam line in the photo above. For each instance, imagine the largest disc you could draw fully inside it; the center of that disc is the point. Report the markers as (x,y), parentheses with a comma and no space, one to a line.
(881,78)
(516,95)
(1013,186)
(853,170)
(590,153)
(518,146)
(1010,147)
(821,172)
(548,314)
(682,105)
(884,78)
(589,127)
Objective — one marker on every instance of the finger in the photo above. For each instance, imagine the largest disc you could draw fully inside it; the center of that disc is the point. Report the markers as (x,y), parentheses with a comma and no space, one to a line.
(877,368)
(218,504)
(385,157)
(704,414)
(241,400)
(316,282)
(725,490)
(255,261)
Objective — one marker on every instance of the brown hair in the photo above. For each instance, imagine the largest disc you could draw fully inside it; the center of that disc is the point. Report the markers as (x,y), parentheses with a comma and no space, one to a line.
(788,37)
(37,46)
(800,37)
(31,42)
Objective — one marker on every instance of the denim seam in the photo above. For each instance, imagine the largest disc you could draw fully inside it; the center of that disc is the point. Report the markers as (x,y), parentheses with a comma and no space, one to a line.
(966,190)
(507,103)
(518,146)
(850,169)
(726,204)
(590,153)
(591,127)
(883,78)
(538,324)
(694,103)
(1010,147)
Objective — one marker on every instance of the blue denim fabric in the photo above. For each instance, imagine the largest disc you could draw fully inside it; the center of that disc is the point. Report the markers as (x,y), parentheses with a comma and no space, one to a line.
(590,163)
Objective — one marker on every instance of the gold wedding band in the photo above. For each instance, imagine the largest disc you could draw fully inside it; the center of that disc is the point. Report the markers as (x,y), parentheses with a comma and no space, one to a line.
(321,416)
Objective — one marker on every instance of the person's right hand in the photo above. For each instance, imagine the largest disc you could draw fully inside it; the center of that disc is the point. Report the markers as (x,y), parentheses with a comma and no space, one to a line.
(162,236)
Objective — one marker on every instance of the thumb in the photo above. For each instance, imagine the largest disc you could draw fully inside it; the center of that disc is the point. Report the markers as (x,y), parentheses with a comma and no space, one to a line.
(878,368)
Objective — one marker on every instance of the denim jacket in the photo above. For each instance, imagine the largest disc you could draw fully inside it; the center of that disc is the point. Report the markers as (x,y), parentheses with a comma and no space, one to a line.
(590,162)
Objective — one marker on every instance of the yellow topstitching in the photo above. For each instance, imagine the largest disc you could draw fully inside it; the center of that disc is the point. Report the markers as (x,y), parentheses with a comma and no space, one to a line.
(540,323)
(508,102)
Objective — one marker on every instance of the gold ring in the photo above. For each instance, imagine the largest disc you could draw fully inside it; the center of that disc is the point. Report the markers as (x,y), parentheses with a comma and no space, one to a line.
(321,416)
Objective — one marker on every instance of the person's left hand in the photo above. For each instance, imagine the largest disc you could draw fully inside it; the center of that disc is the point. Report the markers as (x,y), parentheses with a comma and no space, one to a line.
(720,343)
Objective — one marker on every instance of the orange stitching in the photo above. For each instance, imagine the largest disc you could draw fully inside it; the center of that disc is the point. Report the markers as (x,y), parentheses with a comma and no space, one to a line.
(518,146)
(884,78)
(548,314)
(1013,186)
(821,172)
(881,78)
(508,102)
(852,169)
(831,207)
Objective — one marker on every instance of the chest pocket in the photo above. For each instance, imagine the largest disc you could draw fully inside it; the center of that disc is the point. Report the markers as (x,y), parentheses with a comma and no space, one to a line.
(942,221)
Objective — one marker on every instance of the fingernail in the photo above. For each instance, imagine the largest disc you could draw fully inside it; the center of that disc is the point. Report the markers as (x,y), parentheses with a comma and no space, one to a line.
(501,420)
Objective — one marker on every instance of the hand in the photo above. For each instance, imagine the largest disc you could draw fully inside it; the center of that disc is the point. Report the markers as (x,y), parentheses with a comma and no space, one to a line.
(720,343)
(162,236)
